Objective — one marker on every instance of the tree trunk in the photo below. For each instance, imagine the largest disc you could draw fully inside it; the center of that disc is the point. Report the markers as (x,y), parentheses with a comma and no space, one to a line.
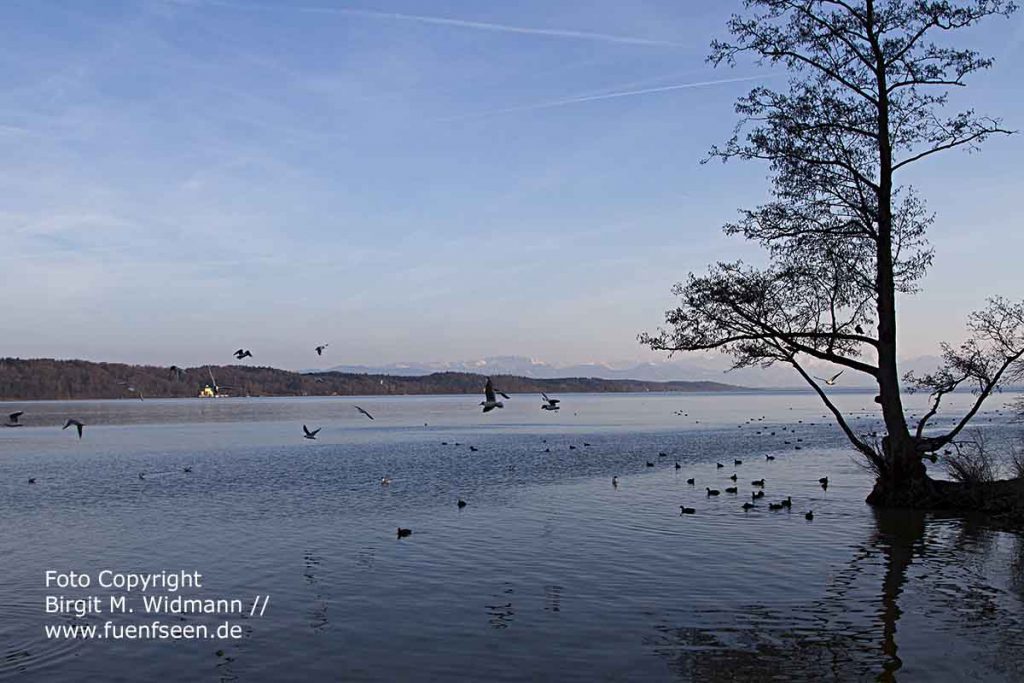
(903,480)
(903,472)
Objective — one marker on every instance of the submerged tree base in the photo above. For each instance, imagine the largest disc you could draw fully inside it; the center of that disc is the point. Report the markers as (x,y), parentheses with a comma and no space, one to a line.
(1003,499)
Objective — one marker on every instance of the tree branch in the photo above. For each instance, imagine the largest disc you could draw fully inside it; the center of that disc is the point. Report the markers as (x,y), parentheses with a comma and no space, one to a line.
(857,443)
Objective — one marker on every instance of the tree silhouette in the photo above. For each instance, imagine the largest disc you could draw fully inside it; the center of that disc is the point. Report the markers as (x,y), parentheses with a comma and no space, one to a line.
(866,99)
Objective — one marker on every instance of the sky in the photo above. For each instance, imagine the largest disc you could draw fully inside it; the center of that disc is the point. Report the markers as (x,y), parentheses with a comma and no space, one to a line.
(408,180)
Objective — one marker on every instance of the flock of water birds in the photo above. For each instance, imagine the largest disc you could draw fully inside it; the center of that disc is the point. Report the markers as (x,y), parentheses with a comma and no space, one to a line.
(491,402)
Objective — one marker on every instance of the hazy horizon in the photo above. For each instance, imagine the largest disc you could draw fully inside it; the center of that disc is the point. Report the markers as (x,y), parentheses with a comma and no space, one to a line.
(409,183)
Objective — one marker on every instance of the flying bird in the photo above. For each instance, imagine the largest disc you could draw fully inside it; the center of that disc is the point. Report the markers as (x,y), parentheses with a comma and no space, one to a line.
(832,381)
(320,349)
(364,412)
(76,423)
(551,403)
(12,419)
(858,329)
(490,401)
(503,394)
(243,353)
(310,434)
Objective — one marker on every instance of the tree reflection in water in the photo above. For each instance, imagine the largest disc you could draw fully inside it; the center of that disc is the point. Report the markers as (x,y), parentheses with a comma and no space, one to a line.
(938,614)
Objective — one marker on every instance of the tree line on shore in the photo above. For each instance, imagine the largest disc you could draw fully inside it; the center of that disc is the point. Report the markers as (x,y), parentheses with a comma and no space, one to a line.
(50,379)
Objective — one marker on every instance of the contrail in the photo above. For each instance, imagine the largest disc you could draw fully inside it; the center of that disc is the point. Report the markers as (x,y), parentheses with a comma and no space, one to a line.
(603,96)
(447,21)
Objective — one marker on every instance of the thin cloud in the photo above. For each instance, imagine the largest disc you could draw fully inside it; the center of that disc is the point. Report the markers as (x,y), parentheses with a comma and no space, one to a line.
(448,21)
(601,96)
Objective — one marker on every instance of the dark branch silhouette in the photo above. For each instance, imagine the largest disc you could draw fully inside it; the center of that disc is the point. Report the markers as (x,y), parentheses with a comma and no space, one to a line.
(867,98)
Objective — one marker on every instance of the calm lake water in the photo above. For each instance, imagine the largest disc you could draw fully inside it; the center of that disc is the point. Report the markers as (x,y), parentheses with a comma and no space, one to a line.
(549,572)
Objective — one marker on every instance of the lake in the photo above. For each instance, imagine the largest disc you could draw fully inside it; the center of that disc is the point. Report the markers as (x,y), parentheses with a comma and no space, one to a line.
(548,573)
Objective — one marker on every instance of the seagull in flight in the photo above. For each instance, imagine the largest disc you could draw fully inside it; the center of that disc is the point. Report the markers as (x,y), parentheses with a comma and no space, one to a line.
(77,423)
(551,403)
(320,349)
(311,435)
(12,419)
(243,353)
(831,381)
(361,410)
(491,402)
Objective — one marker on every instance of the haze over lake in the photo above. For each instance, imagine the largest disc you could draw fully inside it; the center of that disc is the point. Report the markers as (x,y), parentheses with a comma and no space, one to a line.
(549,572)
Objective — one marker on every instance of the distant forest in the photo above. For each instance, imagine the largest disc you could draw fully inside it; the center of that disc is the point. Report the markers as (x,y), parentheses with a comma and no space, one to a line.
(48,379)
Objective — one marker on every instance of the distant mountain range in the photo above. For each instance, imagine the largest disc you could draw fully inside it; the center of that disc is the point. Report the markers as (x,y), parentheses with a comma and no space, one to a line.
(692,368)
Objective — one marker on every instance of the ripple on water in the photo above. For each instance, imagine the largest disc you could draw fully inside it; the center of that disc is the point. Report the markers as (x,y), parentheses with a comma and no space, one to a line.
(549,572)
(27,649)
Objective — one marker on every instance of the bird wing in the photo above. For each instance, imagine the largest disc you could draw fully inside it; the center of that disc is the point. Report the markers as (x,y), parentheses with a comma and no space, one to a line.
(315,431)
(239,352)
(14,416)
(503,394)
(80,426)
(836,376)
(306,430)
(361,410)
(489,392)
(545,397)
(66,424)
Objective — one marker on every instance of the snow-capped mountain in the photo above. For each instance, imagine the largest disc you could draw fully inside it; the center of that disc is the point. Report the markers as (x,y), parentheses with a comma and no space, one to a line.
(691,368)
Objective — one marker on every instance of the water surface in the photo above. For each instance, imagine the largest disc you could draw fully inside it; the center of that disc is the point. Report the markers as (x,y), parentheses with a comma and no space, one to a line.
(549,572)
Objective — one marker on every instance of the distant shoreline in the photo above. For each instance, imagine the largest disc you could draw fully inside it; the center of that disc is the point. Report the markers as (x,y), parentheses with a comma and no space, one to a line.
(45,379)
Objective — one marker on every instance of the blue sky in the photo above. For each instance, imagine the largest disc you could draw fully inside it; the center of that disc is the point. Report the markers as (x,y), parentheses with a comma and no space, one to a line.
(407,180)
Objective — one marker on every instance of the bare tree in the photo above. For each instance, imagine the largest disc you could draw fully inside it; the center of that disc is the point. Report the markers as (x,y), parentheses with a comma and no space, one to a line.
(866,99)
